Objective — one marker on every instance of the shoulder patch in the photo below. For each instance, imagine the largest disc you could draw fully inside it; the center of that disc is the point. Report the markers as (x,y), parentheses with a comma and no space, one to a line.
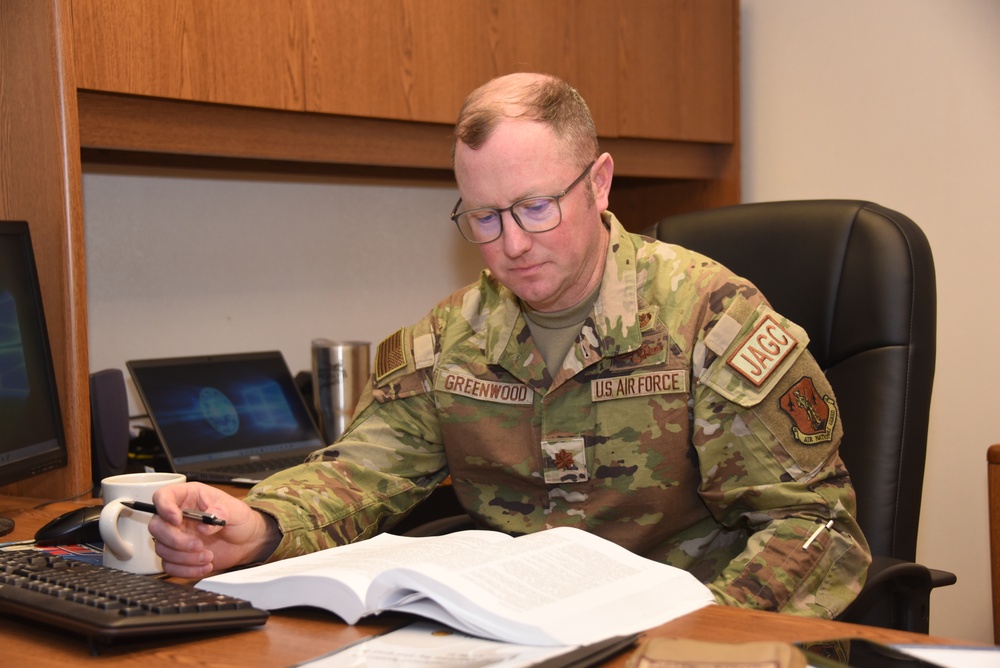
(802,414)
(758,353)
(390,356)
(762,350)
(814,416)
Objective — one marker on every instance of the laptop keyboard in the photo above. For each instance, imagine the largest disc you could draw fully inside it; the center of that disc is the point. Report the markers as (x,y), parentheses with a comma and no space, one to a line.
(105,603)
(257,466)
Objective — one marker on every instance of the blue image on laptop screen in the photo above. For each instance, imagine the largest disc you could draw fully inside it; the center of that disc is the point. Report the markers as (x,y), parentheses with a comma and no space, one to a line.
(221,407)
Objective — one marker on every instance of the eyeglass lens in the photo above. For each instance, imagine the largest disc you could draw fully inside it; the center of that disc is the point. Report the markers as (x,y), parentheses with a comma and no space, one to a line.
(538,214)
(534,214)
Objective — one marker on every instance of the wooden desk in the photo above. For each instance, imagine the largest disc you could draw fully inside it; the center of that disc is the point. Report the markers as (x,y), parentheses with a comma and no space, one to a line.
(290,637)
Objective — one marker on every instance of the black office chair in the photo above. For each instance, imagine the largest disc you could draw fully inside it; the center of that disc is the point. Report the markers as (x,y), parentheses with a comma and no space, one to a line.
(860,279)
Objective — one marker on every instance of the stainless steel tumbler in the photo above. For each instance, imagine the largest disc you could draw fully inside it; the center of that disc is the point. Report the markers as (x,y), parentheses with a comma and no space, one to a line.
(339,373)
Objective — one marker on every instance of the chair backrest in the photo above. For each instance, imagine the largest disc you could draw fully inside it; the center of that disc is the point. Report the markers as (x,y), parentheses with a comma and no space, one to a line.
(860,279)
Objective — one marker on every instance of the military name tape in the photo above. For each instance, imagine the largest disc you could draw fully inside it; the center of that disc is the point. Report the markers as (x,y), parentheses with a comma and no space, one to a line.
(504,393)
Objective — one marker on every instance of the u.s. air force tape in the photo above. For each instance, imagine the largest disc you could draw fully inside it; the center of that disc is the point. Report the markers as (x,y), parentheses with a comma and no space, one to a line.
(673,381)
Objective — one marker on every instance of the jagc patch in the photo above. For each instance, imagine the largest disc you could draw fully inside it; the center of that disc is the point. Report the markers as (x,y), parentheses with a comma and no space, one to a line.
(814,416)
(755,352)
(762,350)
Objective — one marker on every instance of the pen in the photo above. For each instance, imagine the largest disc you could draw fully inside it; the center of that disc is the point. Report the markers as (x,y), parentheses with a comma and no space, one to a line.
(205,518)
(815,534)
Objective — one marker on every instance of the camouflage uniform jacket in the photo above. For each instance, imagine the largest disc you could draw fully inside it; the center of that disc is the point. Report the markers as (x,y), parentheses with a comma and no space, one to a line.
(688,423)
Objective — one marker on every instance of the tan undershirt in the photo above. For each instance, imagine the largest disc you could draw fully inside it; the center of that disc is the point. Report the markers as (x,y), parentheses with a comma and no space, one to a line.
(555,331)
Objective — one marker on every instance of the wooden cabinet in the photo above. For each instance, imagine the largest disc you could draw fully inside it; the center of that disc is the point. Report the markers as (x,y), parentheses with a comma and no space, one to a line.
(222,51)
(678,70)
(655,69)
(346,84)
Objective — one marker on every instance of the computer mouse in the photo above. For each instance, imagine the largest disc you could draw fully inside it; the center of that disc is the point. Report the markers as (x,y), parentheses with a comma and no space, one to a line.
(81,525)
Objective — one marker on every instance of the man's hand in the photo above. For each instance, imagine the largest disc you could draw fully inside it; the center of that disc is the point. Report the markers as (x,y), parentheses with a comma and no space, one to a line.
(191,549)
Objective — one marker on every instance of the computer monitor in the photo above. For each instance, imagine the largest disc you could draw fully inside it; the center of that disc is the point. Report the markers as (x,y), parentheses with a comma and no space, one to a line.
(32,439)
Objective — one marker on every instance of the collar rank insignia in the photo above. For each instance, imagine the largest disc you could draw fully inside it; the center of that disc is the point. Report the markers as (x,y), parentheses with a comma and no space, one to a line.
(644,351)
(814,416)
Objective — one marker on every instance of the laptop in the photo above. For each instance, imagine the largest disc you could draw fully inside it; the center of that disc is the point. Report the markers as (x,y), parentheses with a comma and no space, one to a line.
(233,418)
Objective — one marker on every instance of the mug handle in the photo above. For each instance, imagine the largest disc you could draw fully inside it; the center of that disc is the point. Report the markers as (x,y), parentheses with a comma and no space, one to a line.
(121,548)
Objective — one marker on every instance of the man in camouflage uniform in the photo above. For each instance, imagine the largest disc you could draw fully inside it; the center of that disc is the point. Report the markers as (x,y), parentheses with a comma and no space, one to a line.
(591,378)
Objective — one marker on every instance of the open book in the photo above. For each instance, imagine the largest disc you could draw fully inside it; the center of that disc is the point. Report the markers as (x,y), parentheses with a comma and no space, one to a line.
(562,586)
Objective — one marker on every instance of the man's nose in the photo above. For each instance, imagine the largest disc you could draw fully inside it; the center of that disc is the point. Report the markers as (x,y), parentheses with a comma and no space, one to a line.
(515,240)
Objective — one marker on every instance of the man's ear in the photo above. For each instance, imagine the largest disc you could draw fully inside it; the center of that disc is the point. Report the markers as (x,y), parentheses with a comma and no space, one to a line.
(603,172)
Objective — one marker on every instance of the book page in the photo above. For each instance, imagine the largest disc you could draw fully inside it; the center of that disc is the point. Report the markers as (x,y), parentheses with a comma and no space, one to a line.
(560,586)
(337,579)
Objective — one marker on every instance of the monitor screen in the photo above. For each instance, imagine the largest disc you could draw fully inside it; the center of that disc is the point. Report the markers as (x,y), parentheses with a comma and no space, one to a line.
(31,429)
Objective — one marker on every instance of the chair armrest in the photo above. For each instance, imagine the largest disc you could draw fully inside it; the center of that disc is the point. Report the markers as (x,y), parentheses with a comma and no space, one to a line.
(897,595)
(942,578)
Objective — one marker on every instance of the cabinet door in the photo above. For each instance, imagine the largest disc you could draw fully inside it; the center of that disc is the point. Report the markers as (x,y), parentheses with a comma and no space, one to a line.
(230,51)
(572,39)
(417,59)
(649,69)
(677,77)
(392,58)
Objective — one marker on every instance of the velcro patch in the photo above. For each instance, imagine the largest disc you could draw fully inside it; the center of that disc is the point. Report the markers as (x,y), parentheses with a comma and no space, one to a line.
(762,351)
(565,461)
(390,355)
(487,390)
(423,351)
(674,381)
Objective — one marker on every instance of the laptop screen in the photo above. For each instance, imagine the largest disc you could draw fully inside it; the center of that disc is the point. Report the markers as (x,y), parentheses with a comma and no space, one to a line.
(222,407)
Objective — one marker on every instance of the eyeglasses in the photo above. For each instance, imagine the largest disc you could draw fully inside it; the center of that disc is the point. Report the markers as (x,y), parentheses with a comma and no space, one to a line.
(532,214)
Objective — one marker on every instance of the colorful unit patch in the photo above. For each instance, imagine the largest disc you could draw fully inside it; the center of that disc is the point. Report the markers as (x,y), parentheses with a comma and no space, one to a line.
(762,351)
(814,416)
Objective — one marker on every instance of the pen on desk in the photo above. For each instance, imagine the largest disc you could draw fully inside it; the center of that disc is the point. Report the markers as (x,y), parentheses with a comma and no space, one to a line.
(204,518)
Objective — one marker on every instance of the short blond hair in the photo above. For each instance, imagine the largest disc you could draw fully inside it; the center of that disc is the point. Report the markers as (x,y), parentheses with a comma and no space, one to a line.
(537,97)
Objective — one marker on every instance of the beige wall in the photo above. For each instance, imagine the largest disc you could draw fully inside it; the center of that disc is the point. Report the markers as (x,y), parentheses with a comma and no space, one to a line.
(189,262)
(897,101)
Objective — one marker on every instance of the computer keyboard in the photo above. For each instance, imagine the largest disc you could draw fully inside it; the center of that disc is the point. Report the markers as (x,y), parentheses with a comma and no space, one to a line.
(106,604)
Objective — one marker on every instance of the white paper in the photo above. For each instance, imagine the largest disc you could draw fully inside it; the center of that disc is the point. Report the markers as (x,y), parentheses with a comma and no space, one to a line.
(955,657)
(429,645)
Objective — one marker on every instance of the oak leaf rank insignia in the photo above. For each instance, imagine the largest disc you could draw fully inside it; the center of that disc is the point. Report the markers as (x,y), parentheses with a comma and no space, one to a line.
(564,460)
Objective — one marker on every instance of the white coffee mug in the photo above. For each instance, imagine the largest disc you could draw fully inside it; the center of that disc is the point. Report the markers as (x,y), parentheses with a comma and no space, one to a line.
(128,545)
